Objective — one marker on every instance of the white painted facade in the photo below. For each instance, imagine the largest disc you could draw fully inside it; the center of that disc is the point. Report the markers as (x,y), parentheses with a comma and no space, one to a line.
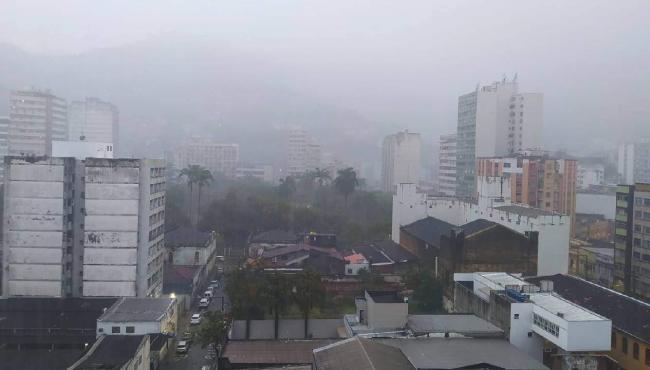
(37,117)
(303,152)
(634,163)
(447,165)
(84,228)
(592,174)
(216,157)
(549,316)
(125,322)
(37,211)
(262,172)
(596,204)
(82,149)
(93,120)
(554,229)
(386,315)
(401,162)
(4,143)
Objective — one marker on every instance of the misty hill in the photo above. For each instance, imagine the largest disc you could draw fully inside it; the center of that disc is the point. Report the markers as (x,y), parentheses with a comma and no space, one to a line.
(169,88)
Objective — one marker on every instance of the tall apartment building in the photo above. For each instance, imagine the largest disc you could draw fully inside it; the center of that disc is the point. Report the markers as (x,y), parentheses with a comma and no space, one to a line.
(262,172)
(634,163)
(632,239)
(542,182)
(36,118)
(401,154)
(590,174)
(303,152)
(447,166)
(93,120)
(91,227)
(4,142)
(216,157)
(494,120)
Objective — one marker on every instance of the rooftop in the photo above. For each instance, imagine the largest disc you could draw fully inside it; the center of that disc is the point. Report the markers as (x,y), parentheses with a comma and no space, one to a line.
(179,279)
(355,258)
(373,254)
(385,296)
(499,280)
(50,313)
(360,354)
(557,305)
(287,329)
(187,237)
(129,309)
(469,325)
(429,229)
(275,237)
(110,352)
(272,352)
(627,314)
(39,359)
(526,211)
(457,353)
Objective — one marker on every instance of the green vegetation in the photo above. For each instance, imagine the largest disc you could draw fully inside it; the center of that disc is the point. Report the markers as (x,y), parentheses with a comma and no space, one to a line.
(427,291)
(213,329)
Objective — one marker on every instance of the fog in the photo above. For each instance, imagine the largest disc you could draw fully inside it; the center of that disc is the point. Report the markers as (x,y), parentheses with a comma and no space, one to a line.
(351,72)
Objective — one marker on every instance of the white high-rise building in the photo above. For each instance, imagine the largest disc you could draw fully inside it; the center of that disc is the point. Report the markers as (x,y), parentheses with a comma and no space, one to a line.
(447,166)
(634,163)
(590,174)
(92,227)
(4,142)
(216,157)
(494,120)
(401,154)
(37,117)
(303,153)
(93,120)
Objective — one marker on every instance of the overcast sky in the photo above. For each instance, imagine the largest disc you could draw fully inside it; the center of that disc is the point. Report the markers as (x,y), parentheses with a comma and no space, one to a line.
(400,61)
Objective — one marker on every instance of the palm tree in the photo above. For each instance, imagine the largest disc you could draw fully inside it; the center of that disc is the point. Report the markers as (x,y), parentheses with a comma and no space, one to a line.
(287,187)
(346,182)
(322,176)
(195,175)
(278,297)
(308,294)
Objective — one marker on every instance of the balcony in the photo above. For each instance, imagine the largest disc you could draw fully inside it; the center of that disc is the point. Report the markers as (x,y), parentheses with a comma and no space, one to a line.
(621,203)
(621,232)
(621,217)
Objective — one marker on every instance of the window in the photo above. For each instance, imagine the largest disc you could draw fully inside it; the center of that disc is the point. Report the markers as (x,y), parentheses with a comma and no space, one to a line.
(516,316)
(546,325)
(101,330)
(624,345)
(130,329)
(635,350)
(115,330)
(196,257)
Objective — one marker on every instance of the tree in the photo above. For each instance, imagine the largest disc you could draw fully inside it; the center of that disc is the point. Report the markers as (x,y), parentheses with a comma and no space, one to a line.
(213,330)
(322,176)
(427,290)
(370,280)
(278,297)
(346,182)
(195,175)
(308,294)
(203,178)
(287,187)
(245,287)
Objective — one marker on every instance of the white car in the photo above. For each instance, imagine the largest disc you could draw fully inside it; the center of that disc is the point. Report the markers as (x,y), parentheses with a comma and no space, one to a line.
(195,319)
(181,346)
(204,303)
(208,294)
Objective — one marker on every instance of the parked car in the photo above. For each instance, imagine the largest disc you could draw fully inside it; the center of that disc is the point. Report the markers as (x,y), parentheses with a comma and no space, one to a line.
(187,337)
(214,282)
(182,346)
(204,303)
(195,319)
(208,294)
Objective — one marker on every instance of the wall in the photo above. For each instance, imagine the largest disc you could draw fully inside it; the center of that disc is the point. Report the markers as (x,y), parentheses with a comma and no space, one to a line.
(141,358)
(141,327)
(386,315)
(626,360)
(554,230)
(519,329)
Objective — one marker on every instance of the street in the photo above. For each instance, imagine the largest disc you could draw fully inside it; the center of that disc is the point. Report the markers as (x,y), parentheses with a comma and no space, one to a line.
(196,357)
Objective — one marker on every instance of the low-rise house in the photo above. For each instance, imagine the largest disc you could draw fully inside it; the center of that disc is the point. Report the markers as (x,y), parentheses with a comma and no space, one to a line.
(269,240)
(123,352)
(537,321)
(139,316)
(354,263)
(326,261)
(630,333)
(386,257)
(190,247)
(183,283)
(258,354)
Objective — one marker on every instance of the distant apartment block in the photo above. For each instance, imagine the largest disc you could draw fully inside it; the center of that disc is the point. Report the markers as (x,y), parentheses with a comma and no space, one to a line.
(447,166)
(37,117)
(82,149)
(591,174)
(216,157)
(494,120)
(4,142)
(303,152)
(634,163)
(90,227)
(632,240)
(262,172)
(539,181)
(401,160)
(93,120)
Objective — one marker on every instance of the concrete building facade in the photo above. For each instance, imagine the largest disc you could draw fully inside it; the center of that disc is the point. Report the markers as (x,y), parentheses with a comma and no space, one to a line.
(90,227)
(632,240)
(37,117)
(303,152)
(494,120)
(93,120)
(447,165)
(401,160)
(634,163)
(4,142)
(553,228)
(216,157)
(589,175)
(538,181)
(262,172)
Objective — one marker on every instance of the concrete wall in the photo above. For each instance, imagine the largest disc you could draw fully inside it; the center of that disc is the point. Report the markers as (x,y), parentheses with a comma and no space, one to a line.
(554,230)
(521,322)
(34,241)
(386,315)
(140,327)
